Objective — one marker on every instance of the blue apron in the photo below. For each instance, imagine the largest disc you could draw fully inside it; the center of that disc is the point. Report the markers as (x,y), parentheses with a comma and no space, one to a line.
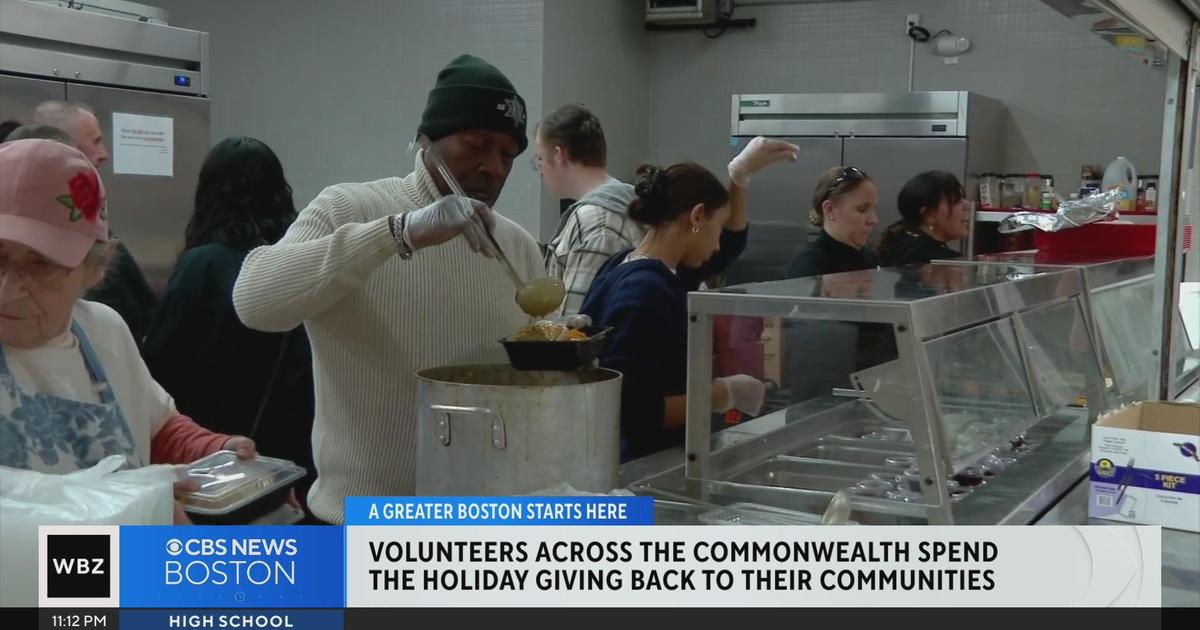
(56,435)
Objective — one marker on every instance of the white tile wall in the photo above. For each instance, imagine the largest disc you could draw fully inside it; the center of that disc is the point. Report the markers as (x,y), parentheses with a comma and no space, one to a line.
(596,52)
(1073,99)
(337,89)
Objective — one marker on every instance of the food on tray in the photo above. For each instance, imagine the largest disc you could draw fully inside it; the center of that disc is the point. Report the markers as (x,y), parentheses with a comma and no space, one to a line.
(548,331)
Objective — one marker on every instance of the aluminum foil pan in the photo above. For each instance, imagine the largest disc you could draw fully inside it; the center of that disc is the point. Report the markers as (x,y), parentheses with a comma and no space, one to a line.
(1071,214)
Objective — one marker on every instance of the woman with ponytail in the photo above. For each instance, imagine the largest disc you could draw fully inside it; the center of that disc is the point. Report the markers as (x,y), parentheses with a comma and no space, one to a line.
(933,212)
(642,294)
(844,206)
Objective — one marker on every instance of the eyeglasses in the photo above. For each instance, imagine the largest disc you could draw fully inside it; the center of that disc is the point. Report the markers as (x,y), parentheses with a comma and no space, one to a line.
(847,174)
(38,274)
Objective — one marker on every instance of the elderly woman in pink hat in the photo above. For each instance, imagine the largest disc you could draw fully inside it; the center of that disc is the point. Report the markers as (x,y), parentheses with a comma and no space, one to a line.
(73,388)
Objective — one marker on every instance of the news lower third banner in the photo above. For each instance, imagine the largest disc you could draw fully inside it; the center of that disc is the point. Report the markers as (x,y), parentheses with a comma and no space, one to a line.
(595,552)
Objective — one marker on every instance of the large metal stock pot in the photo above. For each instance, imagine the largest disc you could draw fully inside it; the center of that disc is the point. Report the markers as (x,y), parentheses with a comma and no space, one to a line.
(495,430)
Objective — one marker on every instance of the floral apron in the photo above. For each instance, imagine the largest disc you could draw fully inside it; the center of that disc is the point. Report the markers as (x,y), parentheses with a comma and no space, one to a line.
(56,435)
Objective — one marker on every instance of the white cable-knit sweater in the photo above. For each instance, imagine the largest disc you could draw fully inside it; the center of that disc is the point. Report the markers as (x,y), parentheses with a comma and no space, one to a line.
(374,320)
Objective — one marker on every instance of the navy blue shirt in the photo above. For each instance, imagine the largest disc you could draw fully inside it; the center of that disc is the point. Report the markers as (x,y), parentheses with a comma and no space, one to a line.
(646,305)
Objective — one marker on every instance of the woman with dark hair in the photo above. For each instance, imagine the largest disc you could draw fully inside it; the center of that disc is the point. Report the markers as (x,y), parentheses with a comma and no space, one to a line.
(228,376)
(844,206)
(695,231)
(822,354)
(933,212)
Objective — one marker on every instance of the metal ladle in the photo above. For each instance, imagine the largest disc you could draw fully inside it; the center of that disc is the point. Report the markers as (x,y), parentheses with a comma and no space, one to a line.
(537,297)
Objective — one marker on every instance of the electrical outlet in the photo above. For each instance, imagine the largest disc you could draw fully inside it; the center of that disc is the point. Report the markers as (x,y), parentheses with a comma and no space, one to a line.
(913,19)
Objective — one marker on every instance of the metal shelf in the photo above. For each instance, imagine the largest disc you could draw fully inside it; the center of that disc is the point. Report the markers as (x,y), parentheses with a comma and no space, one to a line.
(995,216)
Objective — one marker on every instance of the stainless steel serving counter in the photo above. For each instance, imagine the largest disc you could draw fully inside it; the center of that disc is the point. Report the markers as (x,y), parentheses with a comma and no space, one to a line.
(1181,550)
(1074,348)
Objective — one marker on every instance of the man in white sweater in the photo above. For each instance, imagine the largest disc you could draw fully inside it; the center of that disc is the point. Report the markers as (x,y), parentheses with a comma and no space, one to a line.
(377,275)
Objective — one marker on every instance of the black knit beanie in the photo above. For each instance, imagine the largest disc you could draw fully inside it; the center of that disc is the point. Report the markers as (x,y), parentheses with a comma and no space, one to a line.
(473,94)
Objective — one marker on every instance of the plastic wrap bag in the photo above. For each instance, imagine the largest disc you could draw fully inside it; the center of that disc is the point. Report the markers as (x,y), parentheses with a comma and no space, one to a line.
(100,495)
(1073,213)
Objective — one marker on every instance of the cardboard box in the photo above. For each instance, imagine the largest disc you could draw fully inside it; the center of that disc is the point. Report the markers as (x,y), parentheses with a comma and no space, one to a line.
(1145,465)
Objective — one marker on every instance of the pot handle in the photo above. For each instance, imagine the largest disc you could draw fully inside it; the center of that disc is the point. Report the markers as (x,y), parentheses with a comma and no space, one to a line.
(499,438)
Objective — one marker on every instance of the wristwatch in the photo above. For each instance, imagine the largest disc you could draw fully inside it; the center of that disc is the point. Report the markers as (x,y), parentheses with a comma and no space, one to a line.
(396,223)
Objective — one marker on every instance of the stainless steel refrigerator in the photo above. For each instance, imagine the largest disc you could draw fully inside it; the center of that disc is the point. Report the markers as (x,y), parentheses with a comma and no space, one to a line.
(890,136)
(126,70)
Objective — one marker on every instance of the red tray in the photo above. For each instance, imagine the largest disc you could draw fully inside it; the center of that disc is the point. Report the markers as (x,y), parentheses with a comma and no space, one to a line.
(1099,238)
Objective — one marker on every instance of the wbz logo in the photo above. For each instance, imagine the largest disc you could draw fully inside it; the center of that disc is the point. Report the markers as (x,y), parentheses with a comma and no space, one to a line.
(78,565)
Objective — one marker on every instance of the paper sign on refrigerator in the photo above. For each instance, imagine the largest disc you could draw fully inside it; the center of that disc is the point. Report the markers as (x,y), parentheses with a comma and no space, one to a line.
(143,145)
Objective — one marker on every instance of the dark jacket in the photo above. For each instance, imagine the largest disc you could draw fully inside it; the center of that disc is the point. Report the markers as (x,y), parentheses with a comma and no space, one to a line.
(126,291)
(646,305)
(218,370)
(906,246)
(825,254)
(822,354)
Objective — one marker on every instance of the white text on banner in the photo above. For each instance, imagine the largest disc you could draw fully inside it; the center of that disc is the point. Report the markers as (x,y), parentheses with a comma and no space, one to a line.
(753,566)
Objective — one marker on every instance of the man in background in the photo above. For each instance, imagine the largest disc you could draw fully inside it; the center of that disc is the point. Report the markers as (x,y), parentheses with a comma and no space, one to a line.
(124,289)
(39,132)
(572,157)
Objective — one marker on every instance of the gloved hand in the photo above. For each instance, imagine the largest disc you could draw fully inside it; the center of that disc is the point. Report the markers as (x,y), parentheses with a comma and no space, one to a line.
(448,217)
(745,393)
(759,153)
(577,321)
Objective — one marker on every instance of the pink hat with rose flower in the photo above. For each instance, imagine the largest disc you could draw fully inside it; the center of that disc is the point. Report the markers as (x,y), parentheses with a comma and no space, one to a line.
(51,200)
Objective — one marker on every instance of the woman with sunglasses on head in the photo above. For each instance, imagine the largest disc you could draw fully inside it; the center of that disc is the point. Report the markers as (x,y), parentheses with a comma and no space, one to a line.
(844,206)
(822,354)
(933,212)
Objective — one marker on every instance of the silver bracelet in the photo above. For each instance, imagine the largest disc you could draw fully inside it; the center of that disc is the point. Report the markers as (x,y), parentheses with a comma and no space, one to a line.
(396,223)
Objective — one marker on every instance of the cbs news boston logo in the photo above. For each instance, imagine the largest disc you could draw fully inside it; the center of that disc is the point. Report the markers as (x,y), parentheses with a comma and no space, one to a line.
(77,567)
(165,566)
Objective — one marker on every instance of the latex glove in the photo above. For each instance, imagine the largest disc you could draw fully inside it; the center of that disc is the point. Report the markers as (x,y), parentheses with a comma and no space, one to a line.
(577,321)
(243,446)
(745,393)
(448,217)
(758,154)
